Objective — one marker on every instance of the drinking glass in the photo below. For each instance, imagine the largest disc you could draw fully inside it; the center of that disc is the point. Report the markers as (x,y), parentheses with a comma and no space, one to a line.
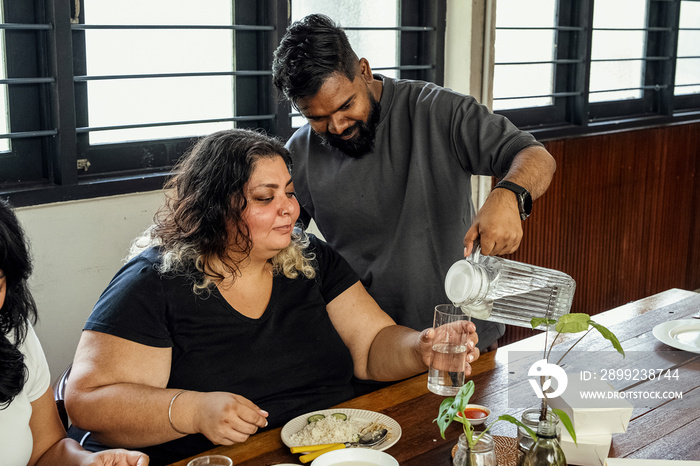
(446,372)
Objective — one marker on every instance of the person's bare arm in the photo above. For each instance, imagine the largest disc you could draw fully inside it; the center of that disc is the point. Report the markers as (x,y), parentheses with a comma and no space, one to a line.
(497,225)
(380,349)
(532,168)
(116,390)
(51,447)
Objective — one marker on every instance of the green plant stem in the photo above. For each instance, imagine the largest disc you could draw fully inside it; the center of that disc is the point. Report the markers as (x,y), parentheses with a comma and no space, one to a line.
(482,434)
(551,346)
(572,346)
(543,407)
(468,432)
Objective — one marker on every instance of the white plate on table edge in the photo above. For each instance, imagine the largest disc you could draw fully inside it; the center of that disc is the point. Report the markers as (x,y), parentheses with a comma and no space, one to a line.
(666,333)
(393,427)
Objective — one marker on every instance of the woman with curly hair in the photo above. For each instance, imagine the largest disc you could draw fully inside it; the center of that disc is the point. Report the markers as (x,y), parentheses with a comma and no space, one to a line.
(30,428)
(226,320)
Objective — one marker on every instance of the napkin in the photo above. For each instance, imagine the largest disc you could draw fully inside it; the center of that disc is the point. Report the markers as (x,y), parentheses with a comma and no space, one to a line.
(590,450)
(593,416)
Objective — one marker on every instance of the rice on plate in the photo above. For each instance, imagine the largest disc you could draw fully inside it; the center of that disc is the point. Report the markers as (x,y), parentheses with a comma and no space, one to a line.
(332,430)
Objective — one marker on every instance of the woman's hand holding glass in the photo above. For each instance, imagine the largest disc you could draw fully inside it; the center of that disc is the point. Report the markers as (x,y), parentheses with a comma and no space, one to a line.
(428,341)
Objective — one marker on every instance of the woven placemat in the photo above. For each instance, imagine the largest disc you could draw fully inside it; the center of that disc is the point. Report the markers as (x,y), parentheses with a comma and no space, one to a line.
(506,450)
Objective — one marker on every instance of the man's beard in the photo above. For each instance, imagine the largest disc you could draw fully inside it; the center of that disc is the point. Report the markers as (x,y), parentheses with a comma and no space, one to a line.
(363,142)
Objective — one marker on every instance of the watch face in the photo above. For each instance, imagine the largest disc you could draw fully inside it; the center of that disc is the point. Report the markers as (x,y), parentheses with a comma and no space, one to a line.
(526,206)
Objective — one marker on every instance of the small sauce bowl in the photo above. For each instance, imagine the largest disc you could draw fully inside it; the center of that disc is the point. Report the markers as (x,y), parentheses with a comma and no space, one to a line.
(476,414)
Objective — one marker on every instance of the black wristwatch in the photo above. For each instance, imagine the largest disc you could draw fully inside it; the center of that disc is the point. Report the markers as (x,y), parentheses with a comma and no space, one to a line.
(521,194)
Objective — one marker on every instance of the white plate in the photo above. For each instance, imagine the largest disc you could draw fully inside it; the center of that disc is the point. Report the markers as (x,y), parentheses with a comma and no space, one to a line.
(393,427)
(683,334)
(355,456)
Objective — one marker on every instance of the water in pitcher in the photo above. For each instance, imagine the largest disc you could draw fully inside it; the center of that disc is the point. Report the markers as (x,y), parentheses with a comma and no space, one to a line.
(501,290)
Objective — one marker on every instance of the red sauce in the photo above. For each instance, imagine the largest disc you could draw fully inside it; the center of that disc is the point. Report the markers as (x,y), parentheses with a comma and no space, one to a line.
(474,413)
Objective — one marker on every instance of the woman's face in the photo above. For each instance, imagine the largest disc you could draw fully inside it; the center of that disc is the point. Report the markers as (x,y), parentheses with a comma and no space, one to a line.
(272,207)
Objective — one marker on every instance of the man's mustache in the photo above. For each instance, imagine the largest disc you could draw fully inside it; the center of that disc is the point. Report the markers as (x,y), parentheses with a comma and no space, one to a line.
(348,131)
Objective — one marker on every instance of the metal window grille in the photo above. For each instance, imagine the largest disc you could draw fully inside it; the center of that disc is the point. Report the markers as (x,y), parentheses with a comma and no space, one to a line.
(51,157)
(579,106)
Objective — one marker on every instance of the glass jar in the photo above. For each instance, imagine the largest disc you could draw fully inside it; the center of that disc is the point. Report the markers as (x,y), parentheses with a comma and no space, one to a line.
(483,453)
(531,418)
(546,451)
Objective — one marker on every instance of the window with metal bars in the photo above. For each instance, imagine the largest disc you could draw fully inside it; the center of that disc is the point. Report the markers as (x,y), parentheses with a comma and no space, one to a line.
(102,98)
(583,66)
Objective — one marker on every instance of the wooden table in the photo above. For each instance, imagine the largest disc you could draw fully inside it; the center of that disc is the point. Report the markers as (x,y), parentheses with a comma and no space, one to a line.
(668,430)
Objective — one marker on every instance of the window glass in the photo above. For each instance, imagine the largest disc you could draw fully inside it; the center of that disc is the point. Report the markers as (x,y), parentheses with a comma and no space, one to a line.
(688,62)
(4,113)
(617,47)
(150,75)
(379,47)
(136,101)
(532,40)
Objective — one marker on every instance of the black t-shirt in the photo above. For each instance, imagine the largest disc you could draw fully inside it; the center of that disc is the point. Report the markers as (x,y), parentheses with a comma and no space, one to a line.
(289,361)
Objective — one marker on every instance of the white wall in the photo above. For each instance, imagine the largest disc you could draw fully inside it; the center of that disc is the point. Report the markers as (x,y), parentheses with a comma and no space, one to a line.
(464,59)
(77,248)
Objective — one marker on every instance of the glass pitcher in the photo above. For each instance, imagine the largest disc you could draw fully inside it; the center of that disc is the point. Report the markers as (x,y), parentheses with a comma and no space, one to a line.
(502,290)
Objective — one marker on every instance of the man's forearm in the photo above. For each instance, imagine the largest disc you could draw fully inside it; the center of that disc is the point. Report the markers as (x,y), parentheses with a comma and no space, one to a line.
(533,169)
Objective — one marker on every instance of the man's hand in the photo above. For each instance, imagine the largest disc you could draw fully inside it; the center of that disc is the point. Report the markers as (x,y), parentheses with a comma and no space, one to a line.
(497,225)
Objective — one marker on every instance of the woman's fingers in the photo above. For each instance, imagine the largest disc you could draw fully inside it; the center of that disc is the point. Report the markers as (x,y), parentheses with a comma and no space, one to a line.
(226,418)
(250,412)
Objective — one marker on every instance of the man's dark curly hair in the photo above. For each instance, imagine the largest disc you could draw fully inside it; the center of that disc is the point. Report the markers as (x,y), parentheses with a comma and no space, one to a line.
(19,309)
(312,49)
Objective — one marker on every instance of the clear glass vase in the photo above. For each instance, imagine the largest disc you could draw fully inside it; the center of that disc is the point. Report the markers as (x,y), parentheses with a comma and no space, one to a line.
(483,453)
(531,418)
(546,451)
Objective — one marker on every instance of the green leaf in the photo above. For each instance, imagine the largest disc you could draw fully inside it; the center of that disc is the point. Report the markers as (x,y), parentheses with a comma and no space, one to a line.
(564,418)
(451,406)
(537,321)
(512,420)
(464,395)
(573,323)
(443,420)
(610,336)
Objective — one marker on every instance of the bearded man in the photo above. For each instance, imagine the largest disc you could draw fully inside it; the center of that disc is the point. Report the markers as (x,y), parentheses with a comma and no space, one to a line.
(384,168)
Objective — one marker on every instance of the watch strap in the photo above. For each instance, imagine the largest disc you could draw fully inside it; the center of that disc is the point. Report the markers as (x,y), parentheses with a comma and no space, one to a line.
(522,195)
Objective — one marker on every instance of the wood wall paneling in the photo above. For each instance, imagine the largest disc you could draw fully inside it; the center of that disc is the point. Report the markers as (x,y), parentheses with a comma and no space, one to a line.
(622,217)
